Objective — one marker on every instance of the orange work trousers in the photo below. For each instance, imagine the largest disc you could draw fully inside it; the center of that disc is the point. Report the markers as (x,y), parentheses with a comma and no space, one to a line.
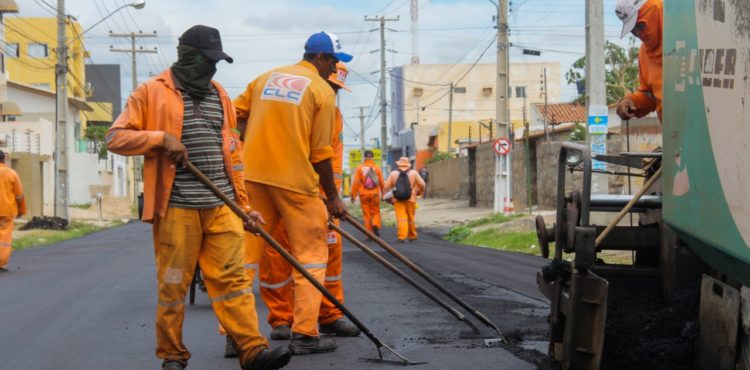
(6,240)
(276,281)
(370,203)
(214,238)
(305,218)
(405,210)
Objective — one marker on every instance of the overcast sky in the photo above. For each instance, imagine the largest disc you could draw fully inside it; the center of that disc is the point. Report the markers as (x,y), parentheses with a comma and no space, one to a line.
(261,35)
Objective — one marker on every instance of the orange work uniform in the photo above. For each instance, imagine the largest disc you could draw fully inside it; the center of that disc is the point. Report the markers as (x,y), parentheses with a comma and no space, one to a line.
(649,96)
(369,199)
(12,205)
(276,273)
(406,209)
(291,113)
(184,237)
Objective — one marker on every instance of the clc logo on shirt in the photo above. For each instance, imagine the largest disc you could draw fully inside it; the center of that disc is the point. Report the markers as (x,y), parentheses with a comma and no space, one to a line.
(285,87)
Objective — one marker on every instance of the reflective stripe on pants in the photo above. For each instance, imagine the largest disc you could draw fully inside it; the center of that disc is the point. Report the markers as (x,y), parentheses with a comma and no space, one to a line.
(305,218)
(6,240)
(212,237)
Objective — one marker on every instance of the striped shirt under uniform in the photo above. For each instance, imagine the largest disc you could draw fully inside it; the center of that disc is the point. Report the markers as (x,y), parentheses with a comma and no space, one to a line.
(201,135)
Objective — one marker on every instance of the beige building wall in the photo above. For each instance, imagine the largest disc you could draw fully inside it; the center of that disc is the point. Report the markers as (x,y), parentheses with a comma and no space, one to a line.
(426,86)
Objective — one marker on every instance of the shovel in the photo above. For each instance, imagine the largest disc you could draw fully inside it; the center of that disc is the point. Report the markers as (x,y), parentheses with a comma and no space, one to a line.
(401,360)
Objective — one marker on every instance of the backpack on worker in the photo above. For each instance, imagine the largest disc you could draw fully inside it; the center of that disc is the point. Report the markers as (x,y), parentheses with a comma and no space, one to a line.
(402,191)
(371,179)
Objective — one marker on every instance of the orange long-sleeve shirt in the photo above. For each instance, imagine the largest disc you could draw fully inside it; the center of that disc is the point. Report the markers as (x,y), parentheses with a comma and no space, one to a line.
(358,179)
(155,108)
(12,202)
(649,96)
(337,144)
(291,112)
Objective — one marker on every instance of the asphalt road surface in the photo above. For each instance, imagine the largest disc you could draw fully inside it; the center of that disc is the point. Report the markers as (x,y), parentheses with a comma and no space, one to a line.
(90,304)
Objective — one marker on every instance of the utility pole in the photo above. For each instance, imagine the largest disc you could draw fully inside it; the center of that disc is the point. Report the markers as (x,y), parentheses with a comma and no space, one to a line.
(502,168)
(133,52)
(596,104)
(63,131)
(383,104)
(528,155)
(362,129)
(450,119)
(544,116)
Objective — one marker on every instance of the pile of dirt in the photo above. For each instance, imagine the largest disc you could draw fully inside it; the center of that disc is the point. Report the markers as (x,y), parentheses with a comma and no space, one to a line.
(46,223)
(643,334)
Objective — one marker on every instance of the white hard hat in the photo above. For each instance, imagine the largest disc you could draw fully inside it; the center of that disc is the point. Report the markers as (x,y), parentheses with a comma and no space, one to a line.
(627,11)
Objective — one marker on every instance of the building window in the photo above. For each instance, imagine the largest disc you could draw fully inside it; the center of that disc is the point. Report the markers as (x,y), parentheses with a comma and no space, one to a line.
(418,91)
(11,49)
(459,90)
(487,91)
(521,92)
(38,50)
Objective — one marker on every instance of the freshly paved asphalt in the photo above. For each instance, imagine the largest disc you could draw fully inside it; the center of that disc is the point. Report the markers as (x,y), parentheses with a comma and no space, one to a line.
(90,303)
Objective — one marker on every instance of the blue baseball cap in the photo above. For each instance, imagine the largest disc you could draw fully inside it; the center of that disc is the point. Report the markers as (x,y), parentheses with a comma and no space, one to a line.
(326,43)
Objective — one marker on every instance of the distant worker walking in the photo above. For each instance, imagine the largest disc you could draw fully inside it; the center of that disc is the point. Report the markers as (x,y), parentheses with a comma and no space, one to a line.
(177,116)
(276,273)
(406,185)
(644,18)
(288,154)
(368,184)
(12,205)
(425,175)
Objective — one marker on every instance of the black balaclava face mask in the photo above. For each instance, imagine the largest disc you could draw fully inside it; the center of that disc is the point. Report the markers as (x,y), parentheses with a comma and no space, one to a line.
(194,71)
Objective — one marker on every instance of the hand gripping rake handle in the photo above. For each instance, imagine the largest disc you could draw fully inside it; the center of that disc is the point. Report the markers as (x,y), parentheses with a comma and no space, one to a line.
(401,274)
(289,258)
(425,275)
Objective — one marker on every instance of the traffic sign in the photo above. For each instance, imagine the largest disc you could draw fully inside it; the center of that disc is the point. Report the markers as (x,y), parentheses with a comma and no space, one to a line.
(502,146)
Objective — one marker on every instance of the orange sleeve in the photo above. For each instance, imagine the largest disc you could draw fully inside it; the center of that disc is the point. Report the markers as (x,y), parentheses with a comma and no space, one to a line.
(356,183)
(380,178)
(390,182)
(322,126)
(242,103)
(418,183)
(127,135)
(18,192)
(643,98)
(238,167)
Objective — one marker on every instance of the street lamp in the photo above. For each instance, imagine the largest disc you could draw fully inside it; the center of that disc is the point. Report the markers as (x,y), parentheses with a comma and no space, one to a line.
(137,4)
(64,132)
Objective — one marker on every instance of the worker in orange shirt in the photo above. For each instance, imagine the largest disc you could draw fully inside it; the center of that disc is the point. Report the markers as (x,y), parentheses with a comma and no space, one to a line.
(644,19)
(183,115)
(12,205)
(275,272)
(367,183)
(406,185)
(288,154)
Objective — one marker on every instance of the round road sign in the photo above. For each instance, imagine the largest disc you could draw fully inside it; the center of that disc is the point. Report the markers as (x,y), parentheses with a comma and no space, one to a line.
(502,146)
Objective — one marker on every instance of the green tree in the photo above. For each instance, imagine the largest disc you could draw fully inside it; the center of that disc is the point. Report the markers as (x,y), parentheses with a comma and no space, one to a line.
(96,134)
(621,73)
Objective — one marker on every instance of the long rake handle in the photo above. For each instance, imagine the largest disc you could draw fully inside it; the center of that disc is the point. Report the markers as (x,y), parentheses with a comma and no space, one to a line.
(401,274)
(288,257)
(423,274)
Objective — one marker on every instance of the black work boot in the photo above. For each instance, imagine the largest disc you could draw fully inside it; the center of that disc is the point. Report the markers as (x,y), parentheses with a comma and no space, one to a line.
(173,365)
(340,328)
(267,359)
(281,332)
(230,349)
(304,344)
(376,231)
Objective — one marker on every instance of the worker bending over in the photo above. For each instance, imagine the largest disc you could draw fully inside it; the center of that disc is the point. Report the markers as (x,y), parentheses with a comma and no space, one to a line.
(644,19)
(291,113)
(368,184)
(183,115)
(406,185)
